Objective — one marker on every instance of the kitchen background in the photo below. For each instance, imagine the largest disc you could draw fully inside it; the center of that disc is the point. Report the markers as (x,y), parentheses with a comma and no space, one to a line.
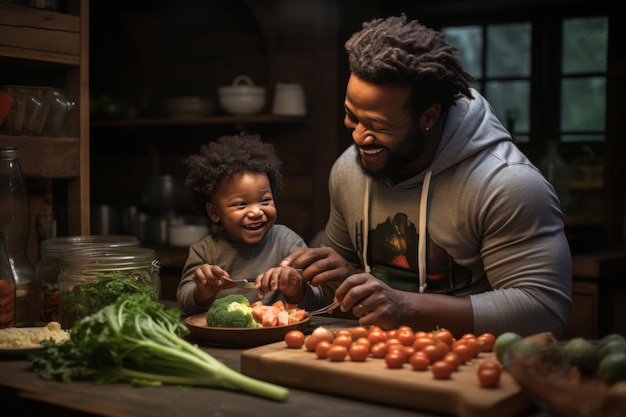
(140,55)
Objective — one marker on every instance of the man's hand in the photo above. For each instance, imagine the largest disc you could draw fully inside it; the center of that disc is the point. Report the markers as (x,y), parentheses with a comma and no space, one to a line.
(319,265)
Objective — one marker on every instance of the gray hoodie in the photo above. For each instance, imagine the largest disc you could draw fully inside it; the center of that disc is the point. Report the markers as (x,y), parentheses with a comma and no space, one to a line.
(480,217)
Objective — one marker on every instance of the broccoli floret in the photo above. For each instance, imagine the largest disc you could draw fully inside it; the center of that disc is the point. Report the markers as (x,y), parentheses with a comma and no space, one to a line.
(232,310)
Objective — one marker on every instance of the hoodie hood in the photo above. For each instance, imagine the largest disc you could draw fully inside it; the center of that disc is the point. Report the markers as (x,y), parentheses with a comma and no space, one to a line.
(469,127)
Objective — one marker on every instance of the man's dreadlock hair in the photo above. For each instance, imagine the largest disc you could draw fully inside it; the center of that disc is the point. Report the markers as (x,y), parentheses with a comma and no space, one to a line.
(227,156)
(399,52)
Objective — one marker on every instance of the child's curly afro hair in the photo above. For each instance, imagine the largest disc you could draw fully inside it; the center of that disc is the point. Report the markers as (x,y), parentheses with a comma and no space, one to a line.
(229,155)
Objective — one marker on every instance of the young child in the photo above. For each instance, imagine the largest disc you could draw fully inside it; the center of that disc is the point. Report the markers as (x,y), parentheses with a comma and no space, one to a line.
(236,179)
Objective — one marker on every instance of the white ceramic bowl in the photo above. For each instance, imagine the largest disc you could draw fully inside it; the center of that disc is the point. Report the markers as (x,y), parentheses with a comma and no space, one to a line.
(186,234)
(242,97)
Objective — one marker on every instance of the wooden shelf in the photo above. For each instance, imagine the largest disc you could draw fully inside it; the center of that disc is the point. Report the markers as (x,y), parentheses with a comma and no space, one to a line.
(31,34)
(52,49)
(196,120)
(35,149)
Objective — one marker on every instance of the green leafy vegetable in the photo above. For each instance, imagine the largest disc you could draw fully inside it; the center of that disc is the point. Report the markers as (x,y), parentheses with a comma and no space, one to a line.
(232,310)
(137,340)
(101,290)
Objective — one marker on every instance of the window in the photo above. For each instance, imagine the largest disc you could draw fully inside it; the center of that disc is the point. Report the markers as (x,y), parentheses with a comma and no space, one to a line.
(502,58)
(583,79)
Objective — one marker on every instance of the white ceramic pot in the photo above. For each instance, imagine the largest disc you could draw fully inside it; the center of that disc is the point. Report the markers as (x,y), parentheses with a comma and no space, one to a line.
(289,100)
(242,97)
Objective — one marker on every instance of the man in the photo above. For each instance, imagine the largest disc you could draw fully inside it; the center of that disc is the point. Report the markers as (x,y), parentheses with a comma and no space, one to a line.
(437,219)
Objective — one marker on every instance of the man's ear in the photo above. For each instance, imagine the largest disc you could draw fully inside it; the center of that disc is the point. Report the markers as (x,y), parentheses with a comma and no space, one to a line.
(430,117)
(211,210)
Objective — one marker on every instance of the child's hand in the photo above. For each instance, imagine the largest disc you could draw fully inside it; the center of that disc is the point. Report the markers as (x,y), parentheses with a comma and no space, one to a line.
(285,279)
(209,281)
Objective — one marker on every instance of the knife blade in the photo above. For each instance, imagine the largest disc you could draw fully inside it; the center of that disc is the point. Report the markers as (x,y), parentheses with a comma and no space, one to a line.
(241,283)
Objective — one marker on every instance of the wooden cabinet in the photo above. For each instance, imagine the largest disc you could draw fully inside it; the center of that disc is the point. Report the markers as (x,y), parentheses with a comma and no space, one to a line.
(598,295)
(160,50)
(47,48)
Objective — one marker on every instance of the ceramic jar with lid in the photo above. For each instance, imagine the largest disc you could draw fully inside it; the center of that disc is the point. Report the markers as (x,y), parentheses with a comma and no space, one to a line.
(48,267)
(91,279)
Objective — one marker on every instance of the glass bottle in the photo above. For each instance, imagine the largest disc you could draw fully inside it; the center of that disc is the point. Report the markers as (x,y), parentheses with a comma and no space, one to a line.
(557,172)
(7,289)
(48,267)
(15,225)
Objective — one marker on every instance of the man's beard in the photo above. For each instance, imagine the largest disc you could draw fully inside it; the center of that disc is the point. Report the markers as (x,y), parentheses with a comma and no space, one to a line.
(396,162)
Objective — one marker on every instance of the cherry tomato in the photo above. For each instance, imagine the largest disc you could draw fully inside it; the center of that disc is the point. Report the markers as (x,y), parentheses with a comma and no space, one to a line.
(358,352)
(419,361)
(321,349)
(444,336)
(294,339)
(441,369)
(343,332)
(421,342)
(489,377)
(363,341)
(359,331)
(391,333)
(489,364)
(436,351)
(391,342)
(422,333)
(464,351)
(375,328)
(408,351)
(454,359)
(379,350)
(406,336)
(337,353)
(472,343)
(486,340)
(395,358)
(376,336)
(343,340)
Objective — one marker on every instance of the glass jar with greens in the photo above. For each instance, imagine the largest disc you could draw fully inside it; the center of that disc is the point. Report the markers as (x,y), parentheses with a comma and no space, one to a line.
(91,279)
(48,267)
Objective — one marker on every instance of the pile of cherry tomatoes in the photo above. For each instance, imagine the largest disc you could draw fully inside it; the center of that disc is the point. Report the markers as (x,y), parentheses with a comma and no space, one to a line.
(437,350)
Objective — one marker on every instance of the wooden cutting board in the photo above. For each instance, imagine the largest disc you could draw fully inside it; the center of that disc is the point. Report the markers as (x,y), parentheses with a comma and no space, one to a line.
(372,381)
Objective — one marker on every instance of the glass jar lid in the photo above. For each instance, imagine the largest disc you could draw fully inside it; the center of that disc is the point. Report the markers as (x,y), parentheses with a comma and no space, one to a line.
(57,246)
(110,259)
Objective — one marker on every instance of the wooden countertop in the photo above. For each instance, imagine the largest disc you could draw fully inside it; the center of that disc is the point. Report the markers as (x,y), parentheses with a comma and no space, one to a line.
(24,392)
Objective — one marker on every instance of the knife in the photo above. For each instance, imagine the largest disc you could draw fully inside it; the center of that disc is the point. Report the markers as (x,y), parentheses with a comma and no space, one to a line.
(244,283)
(241,283)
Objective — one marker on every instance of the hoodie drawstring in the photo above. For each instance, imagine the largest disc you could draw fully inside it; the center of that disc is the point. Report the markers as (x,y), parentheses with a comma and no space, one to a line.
(366,217)
(421,244)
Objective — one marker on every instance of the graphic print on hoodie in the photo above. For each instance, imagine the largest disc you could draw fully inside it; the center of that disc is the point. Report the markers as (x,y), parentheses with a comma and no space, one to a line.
(393,258)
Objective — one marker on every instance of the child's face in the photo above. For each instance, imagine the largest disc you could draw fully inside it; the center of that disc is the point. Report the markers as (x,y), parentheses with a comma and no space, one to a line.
(244,204)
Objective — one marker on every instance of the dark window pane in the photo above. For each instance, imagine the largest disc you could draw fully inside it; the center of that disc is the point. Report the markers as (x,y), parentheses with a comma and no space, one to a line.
(508,50)
(511,100)
(582,138)
(470,43)
(585,43)
(583,104)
